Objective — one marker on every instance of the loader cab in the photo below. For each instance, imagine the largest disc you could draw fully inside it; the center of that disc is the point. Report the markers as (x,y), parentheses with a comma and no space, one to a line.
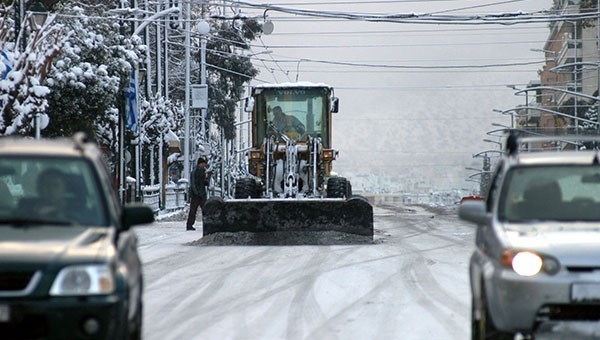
(294,111)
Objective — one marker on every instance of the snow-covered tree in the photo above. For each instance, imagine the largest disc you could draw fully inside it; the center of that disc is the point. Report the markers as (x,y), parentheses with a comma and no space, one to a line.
(158,116)
(229,69)
(89,75)
(24,69)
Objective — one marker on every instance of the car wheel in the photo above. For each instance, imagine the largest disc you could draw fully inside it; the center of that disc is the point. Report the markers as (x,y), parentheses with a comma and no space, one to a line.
(483,328)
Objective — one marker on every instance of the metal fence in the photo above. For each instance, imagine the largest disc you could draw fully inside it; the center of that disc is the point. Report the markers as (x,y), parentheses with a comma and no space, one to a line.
(175,197)
(151,197)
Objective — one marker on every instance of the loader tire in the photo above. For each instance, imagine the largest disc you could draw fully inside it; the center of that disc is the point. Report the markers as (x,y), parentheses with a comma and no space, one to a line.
(245,188)
(337,187)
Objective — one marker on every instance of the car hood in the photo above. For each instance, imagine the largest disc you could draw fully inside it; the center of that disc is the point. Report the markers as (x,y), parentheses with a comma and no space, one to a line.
(53,243)
(576,244)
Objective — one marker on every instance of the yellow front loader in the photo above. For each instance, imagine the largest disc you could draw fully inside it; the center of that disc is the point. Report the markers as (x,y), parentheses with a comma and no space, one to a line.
(289,187)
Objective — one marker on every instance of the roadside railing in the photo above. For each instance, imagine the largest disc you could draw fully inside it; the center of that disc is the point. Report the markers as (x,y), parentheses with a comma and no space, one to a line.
(175,197)
(151,197)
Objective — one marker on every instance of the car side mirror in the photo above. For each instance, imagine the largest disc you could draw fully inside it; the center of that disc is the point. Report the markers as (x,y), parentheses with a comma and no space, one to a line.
(474,212)
(134,214)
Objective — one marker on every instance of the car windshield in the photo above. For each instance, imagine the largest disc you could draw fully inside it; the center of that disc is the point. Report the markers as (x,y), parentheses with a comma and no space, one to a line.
(552,193)
(60,191)
(294,112)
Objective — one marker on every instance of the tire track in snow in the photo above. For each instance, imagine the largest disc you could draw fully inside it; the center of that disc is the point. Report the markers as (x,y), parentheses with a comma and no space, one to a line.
(304,306)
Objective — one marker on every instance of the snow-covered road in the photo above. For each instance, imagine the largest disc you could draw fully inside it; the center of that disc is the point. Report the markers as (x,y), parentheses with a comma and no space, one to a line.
(411,284)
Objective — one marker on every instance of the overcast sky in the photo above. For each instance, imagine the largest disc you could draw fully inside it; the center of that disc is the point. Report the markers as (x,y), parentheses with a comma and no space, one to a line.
(422,122)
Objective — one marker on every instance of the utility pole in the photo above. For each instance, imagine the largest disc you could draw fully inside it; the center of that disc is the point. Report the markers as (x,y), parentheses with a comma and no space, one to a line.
(186,146)
(598,69)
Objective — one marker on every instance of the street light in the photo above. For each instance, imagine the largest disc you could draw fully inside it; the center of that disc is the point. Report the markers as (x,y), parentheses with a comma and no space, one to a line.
(576,94)
(549,111)
(518,91)
(506,128)
(485,152)
(492,132)
(480,173)
(267,26)
(493,141)
(259,53)
(38,14)
(545,51)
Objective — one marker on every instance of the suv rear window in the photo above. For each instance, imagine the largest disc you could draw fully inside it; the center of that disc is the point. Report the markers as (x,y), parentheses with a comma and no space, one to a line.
(27,183)
(561,193)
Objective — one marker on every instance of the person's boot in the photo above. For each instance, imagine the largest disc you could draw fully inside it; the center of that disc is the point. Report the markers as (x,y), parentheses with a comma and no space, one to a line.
(190,228)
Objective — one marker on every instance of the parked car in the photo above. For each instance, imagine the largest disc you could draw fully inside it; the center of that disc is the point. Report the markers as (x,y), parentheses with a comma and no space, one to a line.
(537,256)
(69,267)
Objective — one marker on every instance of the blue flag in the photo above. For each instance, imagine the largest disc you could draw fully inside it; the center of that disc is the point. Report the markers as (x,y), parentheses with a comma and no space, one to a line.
(131,112)
(7,64)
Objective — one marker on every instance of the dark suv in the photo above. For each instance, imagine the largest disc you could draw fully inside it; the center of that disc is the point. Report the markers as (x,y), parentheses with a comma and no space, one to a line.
(69,267)
(537,254)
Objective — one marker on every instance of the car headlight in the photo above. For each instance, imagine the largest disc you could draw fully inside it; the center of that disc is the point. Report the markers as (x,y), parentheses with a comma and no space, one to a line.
(96,279)
(527,263)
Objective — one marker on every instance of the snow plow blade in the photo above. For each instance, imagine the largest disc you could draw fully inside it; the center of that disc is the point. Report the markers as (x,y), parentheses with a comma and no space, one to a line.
(352,216)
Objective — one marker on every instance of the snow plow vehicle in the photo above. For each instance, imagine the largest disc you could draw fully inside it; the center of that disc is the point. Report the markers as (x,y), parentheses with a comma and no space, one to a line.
(290,187)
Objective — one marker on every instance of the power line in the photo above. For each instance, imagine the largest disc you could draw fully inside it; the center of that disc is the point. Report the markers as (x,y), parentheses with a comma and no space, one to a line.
(401,45)
(321,3)
(467,31)
(476,6)
(418,66)
(506,18)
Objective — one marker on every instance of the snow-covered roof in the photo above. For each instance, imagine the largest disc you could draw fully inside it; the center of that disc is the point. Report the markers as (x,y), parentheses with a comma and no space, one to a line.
(302,84)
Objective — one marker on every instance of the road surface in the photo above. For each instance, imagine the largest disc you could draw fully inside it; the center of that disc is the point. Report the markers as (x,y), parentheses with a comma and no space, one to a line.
(412,283)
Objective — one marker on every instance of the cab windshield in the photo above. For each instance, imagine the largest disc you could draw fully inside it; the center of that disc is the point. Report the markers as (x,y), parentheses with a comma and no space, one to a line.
(551,193)
(49,190)
(295,112)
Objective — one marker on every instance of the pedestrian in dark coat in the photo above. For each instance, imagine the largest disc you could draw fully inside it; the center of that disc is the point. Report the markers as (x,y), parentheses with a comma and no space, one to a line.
(198,182)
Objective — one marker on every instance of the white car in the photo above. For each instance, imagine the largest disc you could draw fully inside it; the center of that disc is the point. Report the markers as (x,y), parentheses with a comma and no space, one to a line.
(537,255)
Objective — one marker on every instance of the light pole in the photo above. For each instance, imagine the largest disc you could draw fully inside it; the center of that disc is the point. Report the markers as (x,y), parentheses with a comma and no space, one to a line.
(38,13)
(486,171)
(203,29)
(298,68)
(121,142)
